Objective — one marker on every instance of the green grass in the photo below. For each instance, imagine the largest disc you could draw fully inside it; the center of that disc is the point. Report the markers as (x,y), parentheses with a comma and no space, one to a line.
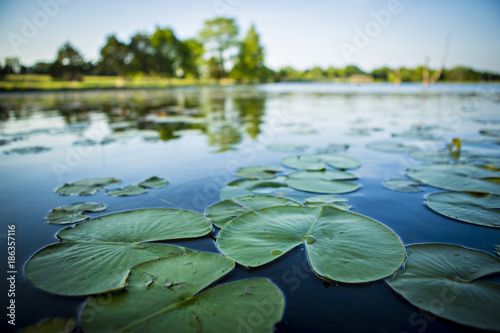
(45,82)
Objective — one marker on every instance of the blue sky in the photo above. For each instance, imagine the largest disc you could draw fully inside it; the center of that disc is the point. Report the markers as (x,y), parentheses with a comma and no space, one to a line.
(301,34)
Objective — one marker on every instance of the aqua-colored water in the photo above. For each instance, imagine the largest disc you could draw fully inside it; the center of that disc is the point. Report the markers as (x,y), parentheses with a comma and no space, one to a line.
(204,136)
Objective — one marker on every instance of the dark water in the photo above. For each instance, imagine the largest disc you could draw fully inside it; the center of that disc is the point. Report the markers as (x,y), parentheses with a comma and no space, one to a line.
(198,137)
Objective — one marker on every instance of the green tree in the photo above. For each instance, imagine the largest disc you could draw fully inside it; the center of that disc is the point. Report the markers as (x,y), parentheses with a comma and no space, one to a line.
(142,54)
(114,57)
(382,74)
(191,53)
(352,70)
(69,63)
(249,65)
(218,35)
(167,53)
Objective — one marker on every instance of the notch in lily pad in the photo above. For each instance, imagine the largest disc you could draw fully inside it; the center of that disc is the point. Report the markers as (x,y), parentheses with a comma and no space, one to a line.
(341,246)
(170,294)
(73,213)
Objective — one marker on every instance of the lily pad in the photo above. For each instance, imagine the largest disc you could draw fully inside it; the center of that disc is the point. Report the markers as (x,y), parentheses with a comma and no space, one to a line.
(325,199)
(420,135)
(258,172)
(449,281)
(27,150)
(226,210)
(96,256)
(154,182)
(391,146)
(333,148)
(321,181)
(243,187)
(458,177)
(319,162)
(86,186)
(341,246)
(73,213)
(495,133)
(476,208)
(52,325)
(169,295)
(402,185)
(128,191)
(98,181)
(441,156)
(287,148)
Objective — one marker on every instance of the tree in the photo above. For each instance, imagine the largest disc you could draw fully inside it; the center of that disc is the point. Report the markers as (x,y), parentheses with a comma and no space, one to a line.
(219,35)
(249,65)
(142,54)
(69,63)
(191,53)
(167,52)
(114,57)
(353,70)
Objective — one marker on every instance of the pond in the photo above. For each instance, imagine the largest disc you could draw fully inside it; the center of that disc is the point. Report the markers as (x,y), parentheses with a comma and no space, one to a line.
(197,138)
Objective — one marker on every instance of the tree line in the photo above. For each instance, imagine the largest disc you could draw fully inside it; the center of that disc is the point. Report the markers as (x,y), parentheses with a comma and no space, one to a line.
(216,53)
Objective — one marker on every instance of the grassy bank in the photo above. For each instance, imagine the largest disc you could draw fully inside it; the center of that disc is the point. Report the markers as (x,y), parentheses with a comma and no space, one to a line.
(45,82)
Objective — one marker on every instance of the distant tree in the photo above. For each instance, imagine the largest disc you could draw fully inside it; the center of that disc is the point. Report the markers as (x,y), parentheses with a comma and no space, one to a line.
(142,54)
(249,64)
(381,74)
(114,57)
(69,64)
(352,70)
(191,52)
(168,56)
(218,35)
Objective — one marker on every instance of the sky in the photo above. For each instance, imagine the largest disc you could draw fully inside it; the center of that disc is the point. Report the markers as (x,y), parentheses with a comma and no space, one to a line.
(301,34)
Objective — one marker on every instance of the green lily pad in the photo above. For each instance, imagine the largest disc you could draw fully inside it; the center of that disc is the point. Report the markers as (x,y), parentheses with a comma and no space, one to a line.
(420,135)
(169,295)
(325,199)
(27,150)
(96,256)
(402,185)
(52,325)
(319,162)
(86,186)
(476,208)
(226,210)
(73,213)
(341,246)
(338,205)
(242,187)
(287,148)
(258,172)
(154,182)
(321,181)
(441,156)
(333,148)
(458,177)
(449,281)
(128,191)
(391,146)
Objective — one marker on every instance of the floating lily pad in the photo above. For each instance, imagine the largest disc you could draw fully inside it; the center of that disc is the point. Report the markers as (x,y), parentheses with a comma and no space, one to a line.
(86,142)
(258,172)
(71,189)
(243,187)
(319,162)
(52,325)
(449,281)
(98,181)
(287,148)
(441,156)
(326,199)
(321,181)
(391,146)
(333,148)
(458,177)
(154,182)
(169,295)
(341,246)
(402,185)
(226,210)
(128,191)
(95,256)
(73,213)
(495,133)
(476,208)
(27,150)
(421,135)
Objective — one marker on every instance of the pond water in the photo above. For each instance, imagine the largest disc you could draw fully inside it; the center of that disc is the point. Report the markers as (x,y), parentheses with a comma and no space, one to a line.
(198,137)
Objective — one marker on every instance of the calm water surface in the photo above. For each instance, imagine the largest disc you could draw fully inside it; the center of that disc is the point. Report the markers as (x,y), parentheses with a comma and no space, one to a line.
(198,137)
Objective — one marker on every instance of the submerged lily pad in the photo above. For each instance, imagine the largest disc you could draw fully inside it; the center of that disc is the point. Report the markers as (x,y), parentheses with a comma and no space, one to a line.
(73,213)
(458,177)
(449,281)
(287,148)
(476,208)
(169,295)
(319,162)
(154,182)
(391,146)
(96,256)
(52,325)
(127,191)
(258,172)
(322,181)
(226,210)
(402,185)
(27,150)
(341,246)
